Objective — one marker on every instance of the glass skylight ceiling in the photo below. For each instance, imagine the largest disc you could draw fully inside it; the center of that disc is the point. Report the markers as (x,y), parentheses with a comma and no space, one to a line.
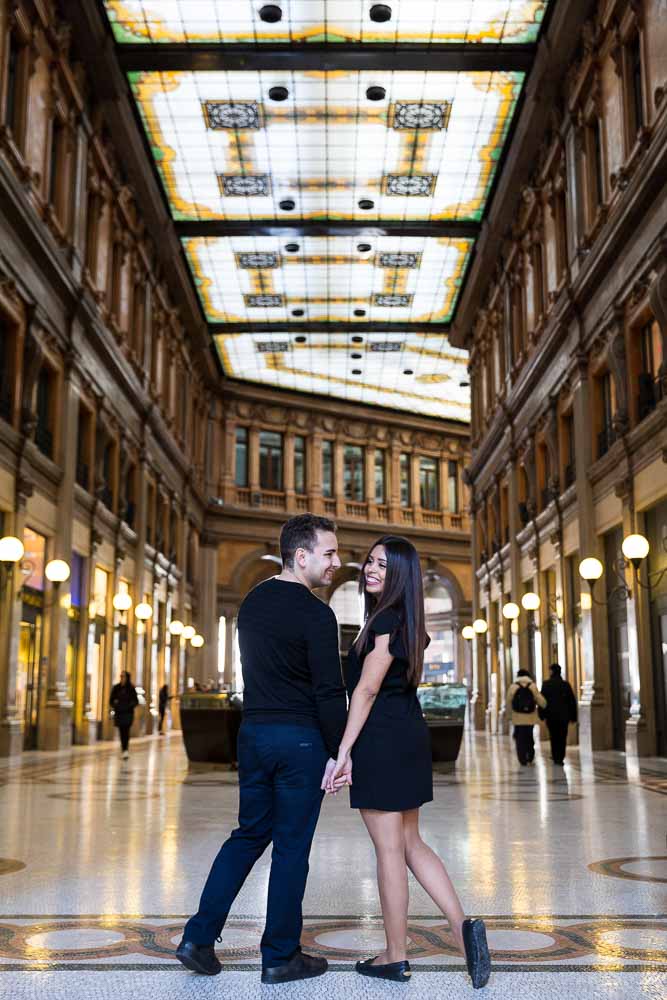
(397,279)
(427,151)
(298,190)
(419,373)
(329,21)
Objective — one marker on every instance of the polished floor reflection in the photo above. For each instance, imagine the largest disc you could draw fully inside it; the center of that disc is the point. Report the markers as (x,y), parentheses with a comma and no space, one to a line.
(100,861)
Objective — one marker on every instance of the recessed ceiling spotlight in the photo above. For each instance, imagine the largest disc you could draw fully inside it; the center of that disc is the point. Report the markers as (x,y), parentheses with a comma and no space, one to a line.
(300,340)
(292,247)
(287,205)
(363,247)
(270,13)
(357,340)
(359,312)
(297,312)
(376,93)
(464,385)
(380,12)
(356,371)
(408,371)
(366,204)
(356,357)
(278,93)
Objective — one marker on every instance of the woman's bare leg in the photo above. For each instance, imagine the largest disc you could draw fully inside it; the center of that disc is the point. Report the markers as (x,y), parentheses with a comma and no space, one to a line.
(386,830)
(432,875)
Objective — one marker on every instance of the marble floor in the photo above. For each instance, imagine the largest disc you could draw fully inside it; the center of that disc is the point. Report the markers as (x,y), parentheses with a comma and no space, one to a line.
(101,861)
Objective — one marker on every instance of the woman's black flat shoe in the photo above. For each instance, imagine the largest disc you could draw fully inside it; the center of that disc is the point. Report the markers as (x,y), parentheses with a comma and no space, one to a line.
(477,952)
(398,972)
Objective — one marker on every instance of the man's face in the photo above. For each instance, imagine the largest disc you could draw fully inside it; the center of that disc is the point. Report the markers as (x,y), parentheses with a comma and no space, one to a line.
(320,565)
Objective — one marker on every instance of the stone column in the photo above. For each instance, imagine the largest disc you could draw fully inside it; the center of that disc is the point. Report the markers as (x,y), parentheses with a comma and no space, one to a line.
(520,656)
(288,472)
(478,694)
(640,727)
(227,488)
(135,637)
(443,484)
(206,658)
(229,613)
(314,478)
(11,726)
(55,727)
(576,225)
(79,200)
(369,481)
(253,459)
(594,705)
(338,476)
(112,659)
(415,498)
(394,484)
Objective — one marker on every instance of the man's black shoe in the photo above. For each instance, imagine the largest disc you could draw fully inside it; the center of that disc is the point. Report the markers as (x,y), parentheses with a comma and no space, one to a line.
(300,966)
(478,959)
(199,958)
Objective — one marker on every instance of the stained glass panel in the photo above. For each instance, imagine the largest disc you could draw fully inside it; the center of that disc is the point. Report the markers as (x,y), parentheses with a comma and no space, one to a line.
(420,373)
(328,21)
(227,150)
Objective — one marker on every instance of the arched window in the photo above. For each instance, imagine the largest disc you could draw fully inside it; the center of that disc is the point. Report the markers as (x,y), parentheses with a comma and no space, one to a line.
(437,598)
(346,605)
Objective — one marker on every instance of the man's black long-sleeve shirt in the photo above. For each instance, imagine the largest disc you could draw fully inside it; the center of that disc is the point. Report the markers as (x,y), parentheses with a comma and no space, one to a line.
(291,665)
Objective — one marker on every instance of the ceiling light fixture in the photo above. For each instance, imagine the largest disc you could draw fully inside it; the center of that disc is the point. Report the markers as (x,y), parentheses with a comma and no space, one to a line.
(278,93)
(363,247)
(366,204)
(359,312)
(376,93)
(297,312)
(357,340)
(292,247)
(270,13)
(356,371)
(380,12)
(287,205)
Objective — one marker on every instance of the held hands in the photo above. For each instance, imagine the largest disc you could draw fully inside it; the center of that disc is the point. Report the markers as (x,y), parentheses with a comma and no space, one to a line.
(338,773)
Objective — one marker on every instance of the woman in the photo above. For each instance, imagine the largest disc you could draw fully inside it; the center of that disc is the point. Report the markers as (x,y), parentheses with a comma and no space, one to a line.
(387,746)
(123,701)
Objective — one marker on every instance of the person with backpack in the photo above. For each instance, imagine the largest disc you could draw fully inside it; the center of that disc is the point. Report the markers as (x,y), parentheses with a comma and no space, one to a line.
(525,698)
(561,710)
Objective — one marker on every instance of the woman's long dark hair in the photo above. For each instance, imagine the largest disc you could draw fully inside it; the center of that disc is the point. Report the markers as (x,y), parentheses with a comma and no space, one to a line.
(404,593)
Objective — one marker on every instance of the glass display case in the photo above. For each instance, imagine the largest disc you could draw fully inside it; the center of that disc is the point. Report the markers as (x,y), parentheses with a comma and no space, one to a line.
(210,724)
(444,708)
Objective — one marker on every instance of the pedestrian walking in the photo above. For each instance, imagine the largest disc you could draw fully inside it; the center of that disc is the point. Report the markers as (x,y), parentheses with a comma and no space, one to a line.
(560,711)
(524,698)
(163,702)
(123,700)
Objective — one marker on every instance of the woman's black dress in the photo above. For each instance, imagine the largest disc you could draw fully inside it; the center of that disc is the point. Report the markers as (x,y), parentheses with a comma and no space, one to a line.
(391,760)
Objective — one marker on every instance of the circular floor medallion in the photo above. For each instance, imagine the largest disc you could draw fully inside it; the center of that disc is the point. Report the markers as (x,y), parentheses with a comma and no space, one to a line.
(10,865)
(616,868)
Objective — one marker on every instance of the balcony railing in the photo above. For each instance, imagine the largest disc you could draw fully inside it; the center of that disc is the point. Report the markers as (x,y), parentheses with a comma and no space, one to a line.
(431,519)
(353,509)
(330,507)
(302,504)
(382,512)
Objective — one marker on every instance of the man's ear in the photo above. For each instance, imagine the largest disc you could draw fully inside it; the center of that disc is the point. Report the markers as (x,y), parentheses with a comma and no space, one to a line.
(300,557)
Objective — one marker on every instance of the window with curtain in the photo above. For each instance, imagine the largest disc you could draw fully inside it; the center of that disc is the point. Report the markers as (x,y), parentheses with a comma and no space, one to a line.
(299,464)
(241,456)
(428,484)
(404,465)
(380,476)
(353,472)
(327,468)
(270,460)
(453,486)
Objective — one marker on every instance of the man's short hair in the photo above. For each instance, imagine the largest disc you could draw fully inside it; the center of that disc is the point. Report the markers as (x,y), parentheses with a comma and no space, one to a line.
(300,532)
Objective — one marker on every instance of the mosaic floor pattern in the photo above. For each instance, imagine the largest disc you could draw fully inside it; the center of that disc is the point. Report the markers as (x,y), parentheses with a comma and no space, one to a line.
(101,862)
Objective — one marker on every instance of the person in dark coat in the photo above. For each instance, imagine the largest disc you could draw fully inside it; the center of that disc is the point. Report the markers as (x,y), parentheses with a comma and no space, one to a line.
(163,700)
(123,701)
(560,711)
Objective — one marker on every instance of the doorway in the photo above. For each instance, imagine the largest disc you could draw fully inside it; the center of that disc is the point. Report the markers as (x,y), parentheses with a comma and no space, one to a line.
(28,674)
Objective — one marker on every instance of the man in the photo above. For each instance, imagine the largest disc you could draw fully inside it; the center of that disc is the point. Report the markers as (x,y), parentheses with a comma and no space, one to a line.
(294,714)
(524,698)
(561,710)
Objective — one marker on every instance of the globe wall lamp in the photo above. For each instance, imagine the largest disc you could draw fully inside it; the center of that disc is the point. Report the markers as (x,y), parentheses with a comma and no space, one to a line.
(57,571)
(122,601)
(480,626)
(188,632)
(468,632)
(590,570)
(143,611)
(176,627)
(197,641)
(635,548)
(11,553)
(530,601)
(511,611)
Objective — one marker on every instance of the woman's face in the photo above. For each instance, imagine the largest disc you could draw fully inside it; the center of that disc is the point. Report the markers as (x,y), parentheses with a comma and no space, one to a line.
(375,570)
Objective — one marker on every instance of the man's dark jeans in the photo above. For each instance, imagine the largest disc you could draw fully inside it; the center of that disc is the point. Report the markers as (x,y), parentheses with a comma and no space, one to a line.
(280,772)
